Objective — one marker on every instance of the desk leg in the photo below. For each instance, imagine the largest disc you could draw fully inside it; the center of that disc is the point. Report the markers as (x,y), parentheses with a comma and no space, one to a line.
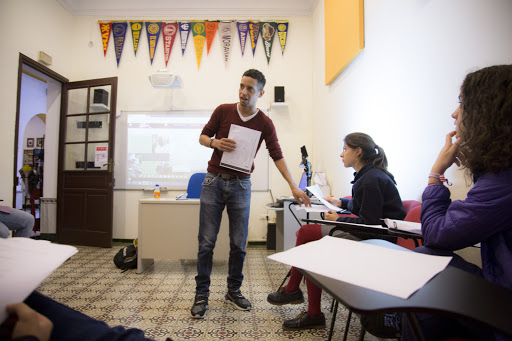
(279,231)
(143,264)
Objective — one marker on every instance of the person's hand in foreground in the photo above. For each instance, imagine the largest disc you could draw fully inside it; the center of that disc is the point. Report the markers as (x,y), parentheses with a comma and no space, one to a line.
(29,322)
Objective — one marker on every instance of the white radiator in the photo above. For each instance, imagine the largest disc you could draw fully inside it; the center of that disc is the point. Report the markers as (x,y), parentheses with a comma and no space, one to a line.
(48,215)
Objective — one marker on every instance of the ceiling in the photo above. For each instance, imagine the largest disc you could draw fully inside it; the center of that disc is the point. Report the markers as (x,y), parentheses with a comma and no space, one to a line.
(188,7)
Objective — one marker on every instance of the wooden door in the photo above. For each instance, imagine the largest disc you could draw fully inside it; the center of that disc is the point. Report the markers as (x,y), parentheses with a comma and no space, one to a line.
(86,169)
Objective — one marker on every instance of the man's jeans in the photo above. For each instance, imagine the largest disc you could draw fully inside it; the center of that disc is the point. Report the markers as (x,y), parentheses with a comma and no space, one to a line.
(18,221)
(235,195)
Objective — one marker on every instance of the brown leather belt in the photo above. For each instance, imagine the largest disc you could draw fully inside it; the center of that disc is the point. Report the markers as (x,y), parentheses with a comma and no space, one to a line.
(227,176)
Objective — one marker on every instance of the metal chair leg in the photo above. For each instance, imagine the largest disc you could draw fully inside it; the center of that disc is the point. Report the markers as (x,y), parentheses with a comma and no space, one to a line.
(361,334)
(331,331)
(284,280)
(347,325)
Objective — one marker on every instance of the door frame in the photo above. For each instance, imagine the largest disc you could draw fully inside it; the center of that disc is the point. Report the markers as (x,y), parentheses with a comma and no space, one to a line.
(46,71)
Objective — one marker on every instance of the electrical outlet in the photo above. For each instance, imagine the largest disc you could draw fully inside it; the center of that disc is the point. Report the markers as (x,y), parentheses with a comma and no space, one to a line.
(263,216)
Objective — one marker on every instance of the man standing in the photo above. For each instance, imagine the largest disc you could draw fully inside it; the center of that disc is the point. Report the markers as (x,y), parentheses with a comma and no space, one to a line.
(225,187)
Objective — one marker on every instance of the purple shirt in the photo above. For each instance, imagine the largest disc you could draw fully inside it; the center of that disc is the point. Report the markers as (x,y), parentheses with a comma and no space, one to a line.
(485,216)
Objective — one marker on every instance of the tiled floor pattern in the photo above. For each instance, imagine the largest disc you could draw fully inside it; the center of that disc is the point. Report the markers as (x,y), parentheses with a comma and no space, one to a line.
(159,300)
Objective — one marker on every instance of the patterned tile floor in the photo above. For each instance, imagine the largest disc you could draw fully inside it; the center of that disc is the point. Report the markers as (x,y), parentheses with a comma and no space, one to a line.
(158,301)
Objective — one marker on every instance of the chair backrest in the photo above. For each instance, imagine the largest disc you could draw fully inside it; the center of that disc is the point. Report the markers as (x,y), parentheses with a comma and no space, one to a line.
(194,185)
(413,214)
(409,205)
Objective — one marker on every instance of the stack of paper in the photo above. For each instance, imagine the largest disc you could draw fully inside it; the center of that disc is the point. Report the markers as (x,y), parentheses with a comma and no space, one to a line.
(401,225)
(24,264)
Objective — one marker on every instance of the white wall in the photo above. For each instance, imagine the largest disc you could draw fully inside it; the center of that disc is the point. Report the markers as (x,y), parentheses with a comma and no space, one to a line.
(51,141)
(33,102)
(29,26)
(404,85)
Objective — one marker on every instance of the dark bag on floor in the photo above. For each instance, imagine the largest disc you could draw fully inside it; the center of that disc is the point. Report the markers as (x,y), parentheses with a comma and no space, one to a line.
(126,258)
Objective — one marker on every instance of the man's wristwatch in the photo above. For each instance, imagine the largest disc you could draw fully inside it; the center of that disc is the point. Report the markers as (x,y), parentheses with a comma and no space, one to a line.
(210,144)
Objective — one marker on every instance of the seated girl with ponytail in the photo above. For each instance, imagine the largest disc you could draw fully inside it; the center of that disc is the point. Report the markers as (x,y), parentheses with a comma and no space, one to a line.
(374,196)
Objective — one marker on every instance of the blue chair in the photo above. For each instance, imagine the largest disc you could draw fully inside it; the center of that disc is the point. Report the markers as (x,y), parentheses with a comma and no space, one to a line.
(194,185)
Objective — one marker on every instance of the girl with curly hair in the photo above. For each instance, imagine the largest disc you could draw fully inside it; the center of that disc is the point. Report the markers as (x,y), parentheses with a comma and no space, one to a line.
(483,146)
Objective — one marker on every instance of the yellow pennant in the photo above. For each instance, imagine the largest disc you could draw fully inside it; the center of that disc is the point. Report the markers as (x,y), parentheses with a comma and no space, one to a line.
(199,34)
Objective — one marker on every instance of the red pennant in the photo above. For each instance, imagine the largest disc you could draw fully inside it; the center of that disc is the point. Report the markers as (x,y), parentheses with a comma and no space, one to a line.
(105,28)
(169,30)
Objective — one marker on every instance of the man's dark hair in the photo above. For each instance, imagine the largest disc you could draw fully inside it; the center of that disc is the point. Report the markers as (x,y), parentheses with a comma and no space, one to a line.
(256,74)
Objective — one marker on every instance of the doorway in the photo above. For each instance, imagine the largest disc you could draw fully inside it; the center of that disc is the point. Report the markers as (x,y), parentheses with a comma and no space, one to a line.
(36,134)
(79,129)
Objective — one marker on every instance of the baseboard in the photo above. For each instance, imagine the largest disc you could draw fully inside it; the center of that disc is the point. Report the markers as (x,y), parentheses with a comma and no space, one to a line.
(122,240)
(257,243)
(48,236)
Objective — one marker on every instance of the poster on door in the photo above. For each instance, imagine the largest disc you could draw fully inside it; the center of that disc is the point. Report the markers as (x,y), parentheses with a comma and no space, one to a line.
(100,156)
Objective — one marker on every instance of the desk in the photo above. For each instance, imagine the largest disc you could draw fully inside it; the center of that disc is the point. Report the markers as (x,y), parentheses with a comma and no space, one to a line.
(288,223)
(376,232)
(168,229)
(452,291)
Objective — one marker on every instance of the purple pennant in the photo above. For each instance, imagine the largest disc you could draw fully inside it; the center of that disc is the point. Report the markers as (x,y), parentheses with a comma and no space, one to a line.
(153,29)
(184,32)
(243,28)
(119,32)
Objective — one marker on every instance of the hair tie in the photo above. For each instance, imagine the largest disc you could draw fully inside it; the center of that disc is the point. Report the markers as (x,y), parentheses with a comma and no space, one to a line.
(377,148)
(440,177)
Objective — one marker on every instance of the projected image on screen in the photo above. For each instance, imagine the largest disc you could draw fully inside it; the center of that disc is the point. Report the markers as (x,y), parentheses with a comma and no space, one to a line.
(164,149)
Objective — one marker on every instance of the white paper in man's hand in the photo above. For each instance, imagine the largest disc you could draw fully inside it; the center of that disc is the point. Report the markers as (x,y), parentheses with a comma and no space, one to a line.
(242,157)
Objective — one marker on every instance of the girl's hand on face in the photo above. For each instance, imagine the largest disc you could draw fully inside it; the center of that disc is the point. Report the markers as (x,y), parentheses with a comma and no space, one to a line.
(447,155)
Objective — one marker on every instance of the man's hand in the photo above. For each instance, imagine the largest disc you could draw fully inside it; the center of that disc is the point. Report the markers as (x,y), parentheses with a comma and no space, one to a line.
(448,154)
(301,197)
(331,215)
(224,144)
(30,322)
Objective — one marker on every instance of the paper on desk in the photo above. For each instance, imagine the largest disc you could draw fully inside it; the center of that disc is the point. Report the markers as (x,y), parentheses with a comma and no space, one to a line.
(393,272)
(314,208)
(317,192)
(242,157)
(24,264)
(408,226)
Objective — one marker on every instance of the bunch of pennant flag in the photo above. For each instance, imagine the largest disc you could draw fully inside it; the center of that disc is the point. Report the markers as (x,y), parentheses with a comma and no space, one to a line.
(248,31)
